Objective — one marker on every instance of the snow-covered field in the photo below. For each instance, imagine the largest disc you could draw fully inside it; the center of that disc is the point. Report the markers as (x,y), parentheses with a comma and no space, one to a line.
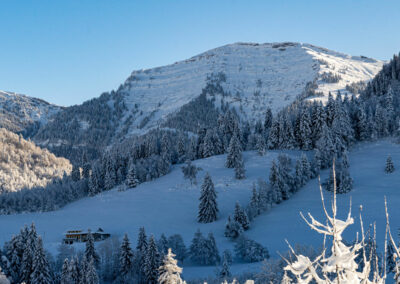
(169,205)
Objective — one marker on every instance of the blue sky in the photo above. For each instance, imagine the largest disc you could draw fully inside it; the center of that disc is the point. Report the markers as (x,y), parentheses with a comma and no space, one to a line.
(69,51)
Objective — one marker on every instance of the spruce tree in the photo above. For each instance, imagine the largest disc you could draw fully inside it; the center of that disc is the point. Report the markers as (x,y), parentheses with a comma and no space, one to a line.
(240,216)
(255,203)
(65,276)
(239,170)
(131,179)
(126,260)
(389,168)
(28,254)
(91,276)
(260,145)
(232,228)
(212,250)
(40,265)
(152,262)
(162,245)
(208,209)
(305,130)
(169,271)
(224,272)
(90,251)
(141,249)
(234,152)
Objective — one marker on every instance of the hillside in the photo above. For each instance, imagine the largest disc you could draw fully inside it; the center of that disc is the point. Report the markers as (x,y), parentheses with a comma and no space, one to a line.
(20,113)
(247,77)
(176,205)
(25,165)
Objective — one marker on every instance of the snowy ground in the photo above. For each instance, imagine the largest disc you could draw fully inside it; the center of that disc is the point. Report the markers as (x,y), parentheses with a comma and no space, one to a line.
(169,205)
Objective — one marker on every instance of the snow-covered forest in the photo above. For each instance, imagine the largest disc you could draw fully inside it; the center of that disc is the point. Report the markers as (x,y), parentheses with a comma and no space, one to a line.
(25,165)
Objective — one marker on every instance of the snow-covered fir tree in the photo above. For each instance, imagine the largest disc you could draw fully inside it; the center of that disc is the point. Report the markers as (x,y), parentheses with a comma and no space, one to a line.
(224,272)
(241,217)
(40,266)
(90,251)
(234,151)
(152,262)
(169,271)
(211,248)
(65,277)
(28,255)
(162,245)
(240,170)
(208,209)
(389,168)
(233,229)
(305,130)
(131,179)
(261,145)
(126,260)
(141,249)
(90,273)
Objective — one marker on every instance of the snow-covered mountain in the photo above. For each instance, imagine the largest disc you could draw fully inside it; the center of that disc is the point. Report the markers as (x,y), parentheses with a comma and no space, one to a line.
(248,77)
(19,112)
(252,76)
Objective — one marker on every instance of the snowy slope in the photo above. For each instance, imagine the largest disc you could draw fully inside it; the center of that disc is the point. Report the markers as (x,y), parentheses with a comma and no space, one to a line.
(257,76)
(19,111)
(174,205)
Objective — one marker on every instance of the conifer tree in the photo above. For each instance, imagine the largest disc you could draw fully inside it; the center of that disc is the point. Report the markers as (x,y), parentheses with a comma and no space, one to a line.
(260,145)
(225,272)
(86,167)
(208,209)
(232,228)
(162,245)
(239,169)
(273,138)
(208,144)
(91,276)
(90,251)
(389,168)
(65,276)
(305,130)
(255,203)
(240,216)
(170,271)
(197,248)
(268,119)
(176,243)
(234,152)
(212,250)
(126,260)
(40,266)
(131,179)
(152,262)
(28,254)
(141,248)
